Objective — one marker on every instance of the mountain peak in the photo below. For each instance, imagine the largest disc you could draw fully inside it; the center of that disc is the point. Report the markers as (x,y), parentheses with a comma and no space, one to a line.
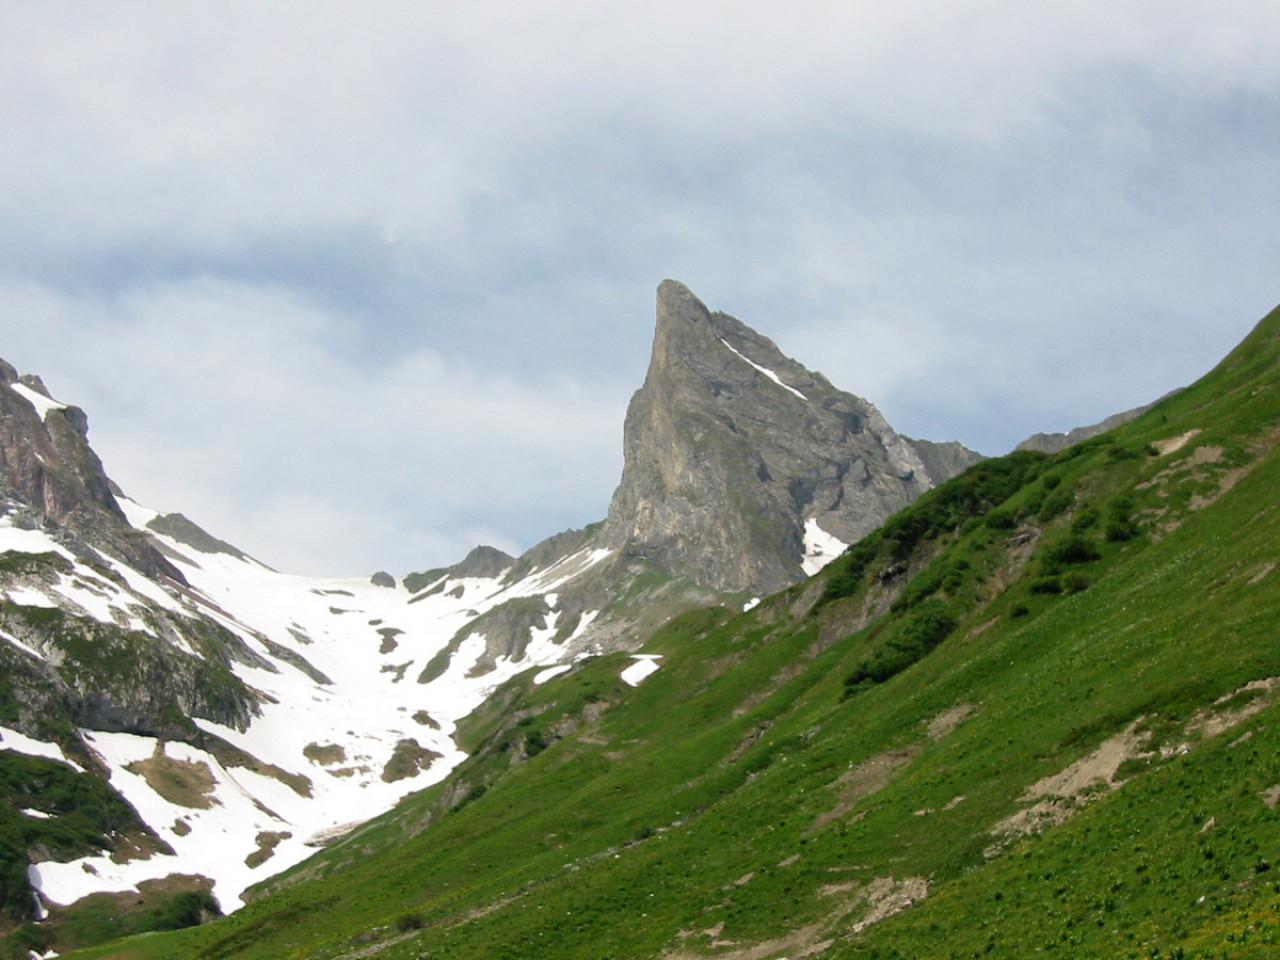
(48,468)
(678,302)
(741,466)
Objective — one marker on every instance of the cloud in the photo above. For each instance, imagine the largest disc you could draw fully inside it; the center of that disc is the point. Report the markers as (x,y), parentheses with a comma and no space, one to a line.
(245,414)
(385,270)
(282,117)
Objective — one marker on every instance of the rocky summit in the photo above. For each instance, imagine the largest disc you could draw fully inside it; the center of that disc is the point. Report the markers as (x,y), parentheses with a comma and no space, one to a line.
(744,470)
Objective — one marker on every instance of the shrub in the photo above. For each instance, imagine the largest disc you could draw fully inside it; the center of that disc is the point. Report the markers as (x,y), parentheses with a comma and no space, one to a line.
(1056,504)
(1120,524)
(1118,531)
(916,635)
(1085,519)
(1072,550)
(187,909)
(1074,582)
(1050,585)
(1001,519)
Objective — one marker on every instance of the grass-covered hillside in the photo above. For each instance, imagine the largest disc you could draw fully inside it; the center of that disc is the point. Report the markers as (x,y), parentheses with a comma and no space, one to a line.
(1036,714)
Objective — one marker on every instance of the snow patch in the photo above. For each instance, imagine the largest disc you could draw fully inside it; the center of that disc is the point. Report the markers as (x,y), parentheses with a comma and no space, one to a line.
(137,515)
(38,400)
(767,372)
(820,547)
(359,718)
(646,664)
(542,676)
(16,540)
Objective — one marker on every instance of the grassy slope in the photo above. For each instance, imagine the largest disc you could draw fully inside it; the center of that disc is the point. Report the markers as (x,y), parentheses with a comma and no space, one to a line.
(747,801)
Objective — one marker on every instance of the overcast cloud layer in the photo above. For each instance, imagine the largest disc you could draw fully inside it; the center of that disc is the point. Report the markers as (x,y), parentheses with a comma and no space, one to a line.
(357,286)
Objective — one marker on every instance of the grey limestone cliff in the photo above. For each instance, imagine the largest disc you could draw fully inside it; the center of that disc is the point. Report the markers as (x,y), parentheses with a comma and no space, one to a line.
(732,448)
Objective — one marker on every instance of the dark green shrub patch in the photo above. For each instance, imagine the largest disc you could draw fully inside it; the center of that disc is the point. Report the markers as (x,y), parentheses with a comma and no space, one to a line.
(919,633)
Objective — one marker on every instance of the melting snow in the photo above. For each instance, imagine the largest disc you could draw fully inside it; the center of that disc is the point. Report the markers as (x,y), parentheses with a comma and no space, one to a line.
(38,400)
(542,676)
(767,372)
(373,703)
(820,547)
(645,665)
(26,541)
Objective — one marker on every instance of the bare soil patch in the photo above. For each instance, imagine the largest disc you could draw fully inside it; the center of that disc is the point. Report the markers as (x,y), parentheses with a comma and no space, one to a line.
(947,721)
(1057,797)
(267,843)
(326,755)
(1172,444)
(408,759)
(181,782)
(862,781)
(1234,708)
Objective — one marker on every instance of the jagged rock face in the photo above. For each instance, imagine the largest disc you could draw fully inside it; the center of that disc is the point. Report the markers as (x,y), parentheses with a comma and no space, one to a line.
(730,447)
(46,464)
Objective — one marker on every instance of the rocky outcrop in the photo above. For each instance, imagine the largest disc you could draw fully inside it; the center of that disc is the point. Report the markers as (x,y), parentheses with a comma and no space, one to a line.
(732,448)
(47,465)
(178,527)
(104,677)
(483,561)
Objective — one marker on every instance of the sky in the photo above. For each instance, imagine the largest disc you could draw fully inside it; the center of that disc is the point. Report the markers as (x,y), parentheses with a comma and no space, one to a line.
(358,286)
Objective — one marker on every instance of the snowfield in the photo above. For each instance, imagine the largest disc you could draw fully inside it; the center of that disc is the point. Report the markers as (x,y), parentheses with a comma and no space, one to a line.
(345,729)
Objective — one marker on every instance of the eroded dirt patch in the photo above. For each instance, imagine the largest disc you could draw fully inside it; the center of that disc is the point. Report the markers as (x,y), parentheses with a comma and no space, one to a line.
(862,781)
(181,782)
(1262,573)
(1234,708)
(326,754)
(804,942)
(870,902)
(946,722)
(267,843)
(886,896)
(1172,444)
(1058,796)
(408,759)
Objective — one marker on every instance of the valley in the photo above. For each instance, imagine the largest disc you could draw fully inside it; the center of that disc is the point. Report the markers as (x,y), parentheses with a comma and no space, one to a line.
(1031,709)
